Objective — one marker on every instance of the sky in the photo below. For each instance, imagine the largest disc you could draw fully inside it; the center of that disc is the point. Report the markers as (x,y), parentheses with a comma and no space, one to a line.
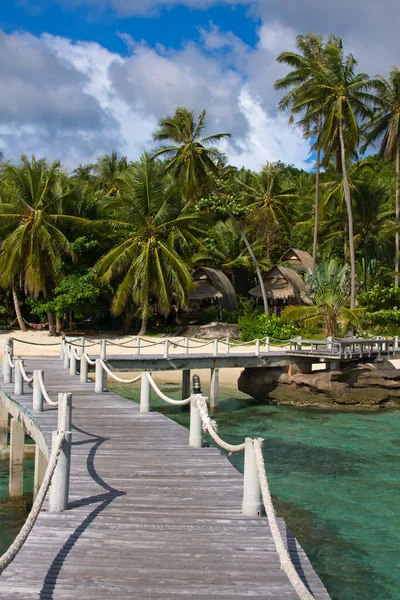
(80,78)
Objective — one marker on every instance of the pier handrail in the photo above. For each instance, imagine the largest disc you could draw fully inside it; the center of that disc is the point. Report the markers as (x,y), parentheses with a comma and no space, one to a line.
(199,401)
(58,440)
(46,396)
(114,376)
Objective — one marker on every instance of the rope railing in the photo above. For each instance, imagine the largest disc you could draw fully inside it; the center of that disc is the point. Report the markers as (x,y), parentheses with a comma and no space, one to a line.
(284,556)
(46,396)
(210,426)
(88,359)
(21,538)
(161,395)
(115,377)
(23,373)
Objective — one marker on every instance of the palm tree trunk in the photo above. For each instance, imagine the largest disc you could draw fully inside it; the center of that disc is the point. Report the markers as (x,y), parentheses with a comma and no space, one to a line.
(50,318)
(316,206)
(397,243)
(58,324)
(249,248)
(347,197)
(143,327)
(17,308)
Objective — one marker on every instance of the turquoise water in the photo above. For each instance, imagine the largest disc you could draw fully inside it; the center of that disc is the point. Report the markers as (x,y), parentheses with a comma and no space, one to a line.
(335,478)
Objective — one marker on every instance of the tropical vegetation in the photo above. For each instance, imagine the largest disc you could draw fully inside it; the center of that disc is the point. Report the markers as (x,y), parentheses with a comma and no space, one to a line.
(118,241)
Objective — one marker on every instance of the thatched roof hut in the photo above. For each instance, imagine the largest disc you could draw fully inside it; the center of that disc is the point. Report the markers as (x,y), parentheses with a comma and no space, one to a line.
(213,283)
(298,259)
(283,284)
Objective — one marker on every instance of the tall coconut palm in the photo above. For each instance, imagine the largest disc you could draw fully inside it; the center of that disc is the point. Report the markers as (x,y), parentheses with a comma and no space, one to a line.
(148,260)
(329,293)
(107,169)
(385,126)
(343,100)
(197,164)
(301,80)
(31,221)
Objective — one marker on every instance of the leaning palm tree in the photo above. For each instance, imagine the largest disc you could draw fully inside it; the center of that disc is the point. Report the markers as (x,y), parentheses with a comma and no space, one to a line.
(197,164)
(148,260)
(301,81)
(33,195)
(344,101)
(329,290)
(385,127)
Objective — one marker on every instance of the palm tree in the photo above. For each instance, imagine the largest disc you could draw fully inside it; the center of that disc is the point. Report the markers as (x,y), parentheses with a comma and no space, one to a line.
(329,293)
(148,260)
(302,82)
(31,221)
(108,168)
(385,126)
(197,164)
(343,100)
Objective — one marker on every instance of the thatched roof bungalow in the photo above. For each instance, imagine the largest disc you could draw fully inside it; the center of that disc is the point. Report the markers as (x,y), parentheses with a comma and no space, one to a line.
(283,286)
(213,283)
(298,259)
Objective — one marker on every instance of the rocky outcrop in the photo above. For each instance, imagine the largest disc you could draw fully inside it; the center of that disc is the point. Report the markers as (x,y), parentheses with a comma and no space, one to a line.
(365,386)
(211,331)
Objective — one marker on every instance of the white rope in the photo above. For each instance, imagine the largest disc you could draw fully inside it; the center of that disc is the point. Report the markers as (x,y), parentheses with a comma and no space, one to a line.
(119,379)
(164,397)
(284,556)
(10,362)
(88,360)
(21,538)
(23,373)
(210,425)
(76,354)
(44,392)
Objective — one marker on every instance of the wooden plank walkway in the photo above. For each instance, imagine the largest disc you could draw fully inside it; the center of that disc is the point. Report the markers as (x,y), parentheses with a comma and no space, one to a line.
(148,517)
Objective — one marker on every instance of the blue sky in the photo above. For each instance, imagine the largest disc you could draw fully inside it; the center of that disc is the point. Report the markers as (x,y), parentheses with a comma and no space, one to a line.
(80,78)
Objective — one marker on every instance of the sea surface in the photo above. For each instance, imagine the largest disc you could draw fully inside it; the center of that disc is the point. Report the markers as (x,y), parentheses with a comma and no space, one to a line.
(335,478)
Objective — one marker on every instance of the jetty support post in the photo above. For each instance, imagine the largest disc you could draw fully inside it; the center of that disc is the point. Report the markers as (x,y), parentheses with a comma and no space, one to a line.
(59,488)
(16,476)
(3,424)
(215,348)
(72,362)
(83,373)
(187,346)
(62,349)
(81,348)
(196,428)
(99,384)
(19,380)
(67,350)
(185,384)
(37,398)
(252,501)
(7,371)
(137,346)
(267,344)
(40,469)
(214,389)
(145,392)
(103,350)
(166,349)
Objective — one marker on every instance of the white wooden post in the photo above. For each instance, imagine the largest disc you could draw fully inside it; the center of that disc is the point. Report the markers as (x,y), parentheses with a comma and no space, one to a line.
(103,349)
(72,362)
(81,348)
(7,371)
(16,475)
(3,424)
(215,348)
(62,349)
(99,377)
(40,469)
(267,344)
(37,399)
(396,343)
(137,349)
(196,428)
(67,347)
(145,391)
(166,348)
(83,375)
(252,502)
(257,351)
(214,389)
(19,380)
(59,488)
(186,344)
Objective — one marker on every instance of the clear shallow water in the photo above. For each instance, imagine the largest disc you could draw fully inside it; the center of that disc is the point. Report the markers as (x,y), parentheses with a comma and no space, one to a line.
(335,478)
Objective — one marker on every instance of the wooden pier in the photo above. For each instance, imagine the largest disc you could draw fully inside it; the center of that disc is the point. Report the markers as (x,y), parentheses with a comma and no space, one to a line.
(148,516)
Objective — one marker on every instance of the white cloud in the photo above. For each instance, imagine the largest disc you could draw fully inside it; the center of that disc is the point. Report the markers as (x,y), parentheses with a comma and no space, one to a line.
(146,7)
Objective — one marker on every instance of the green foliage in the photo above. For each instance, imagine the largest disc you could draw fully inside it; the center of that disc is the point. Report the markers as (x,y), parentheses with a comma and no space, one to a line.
(385,319)
(255,324)
(380,298)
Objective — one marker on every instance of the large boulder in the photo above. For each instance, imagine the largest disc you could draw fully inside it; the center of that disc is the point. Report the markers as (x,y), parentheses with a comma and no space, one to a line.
(211,331)
(357,386)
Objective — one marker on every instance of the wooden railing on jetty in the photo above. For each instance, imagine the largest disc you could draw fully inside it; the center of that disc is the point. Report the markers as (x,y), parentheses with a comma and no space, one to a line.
(255,498)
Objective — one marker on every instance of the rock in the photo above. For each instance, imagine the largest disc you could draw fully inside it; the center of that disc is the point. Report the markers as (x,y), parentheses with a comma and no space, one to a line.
(356,386)
(211,331)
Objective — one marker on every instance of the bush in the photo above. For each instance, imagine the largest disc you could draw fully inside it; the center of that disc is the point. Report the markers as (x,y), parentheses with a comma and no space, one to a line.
(256,324)
(386,319)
